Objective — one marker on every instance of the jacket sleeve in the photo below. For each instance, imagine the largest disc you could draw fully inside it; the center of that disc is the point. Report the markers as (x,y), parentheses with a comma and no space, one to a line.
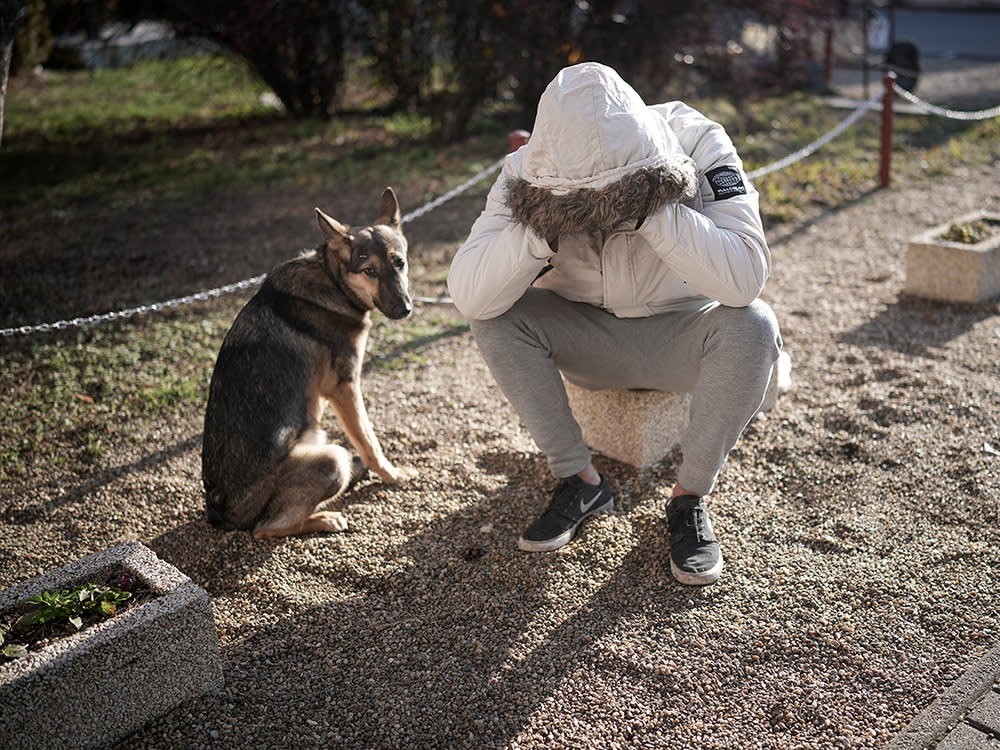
(720,251)
(497,262)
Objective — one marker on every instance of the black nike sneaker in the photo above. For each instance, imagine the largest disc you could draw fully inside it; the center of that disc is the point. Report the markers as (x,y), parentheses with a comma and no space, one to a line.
(695,558)
(573,501)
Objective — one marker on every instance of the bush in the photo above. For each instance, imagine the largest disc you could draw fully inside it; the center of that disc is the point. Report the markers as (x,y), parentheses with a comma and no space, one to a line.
(446,58)
(34,39)
(295,46)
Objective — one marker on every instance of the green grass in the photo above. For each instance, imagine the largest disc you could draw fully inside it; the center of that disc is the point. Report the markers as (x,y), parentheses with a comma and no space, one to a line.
(170,129)
(69,397)
(76,142)
(119,103)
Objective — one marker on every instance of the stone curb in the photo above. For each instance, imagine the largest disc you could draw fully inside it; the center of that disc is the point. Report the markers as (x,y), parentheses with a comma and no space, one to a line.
(932,724)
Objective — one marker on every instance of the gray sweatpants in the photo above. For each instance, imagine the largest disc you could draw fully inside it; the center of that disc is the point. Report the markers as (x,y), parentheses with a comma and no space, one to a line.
(721,355)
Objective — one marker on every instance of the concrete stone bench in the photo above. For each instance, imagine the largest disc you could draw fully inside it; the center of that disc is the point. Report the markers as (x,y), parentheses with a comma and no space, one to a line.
(641,427)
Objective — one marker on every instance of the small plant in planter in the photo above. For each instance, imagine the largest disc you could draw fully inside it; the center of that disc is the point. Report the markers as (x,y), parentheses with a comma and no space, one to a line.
(72,606)
(51,614)
(969,233)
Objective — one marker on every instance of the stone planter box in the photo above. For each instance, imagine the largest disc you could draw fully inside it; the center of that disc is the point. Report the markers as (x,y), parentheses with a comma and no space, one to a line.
(954,271)
(95,687)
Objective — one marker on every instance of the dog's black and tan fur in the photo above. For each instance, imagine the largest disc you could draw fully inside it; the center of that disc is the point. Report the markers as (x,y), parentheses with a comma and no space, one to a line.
(298,344)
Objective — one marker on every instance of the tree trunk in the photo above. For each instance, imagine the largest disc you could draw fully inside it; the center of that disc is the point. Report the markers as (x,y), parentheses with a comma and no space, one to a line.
(10,16)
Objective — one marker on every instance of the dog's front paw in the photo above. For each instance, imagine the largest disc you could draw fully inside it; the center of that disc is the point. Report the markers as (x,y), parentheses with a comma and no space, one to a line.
(397,474)
(331,520)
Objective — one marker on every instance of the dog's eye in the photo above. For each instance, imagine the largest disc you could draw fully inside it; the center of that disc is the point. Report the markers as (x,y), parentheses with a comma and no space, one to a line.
(370,272)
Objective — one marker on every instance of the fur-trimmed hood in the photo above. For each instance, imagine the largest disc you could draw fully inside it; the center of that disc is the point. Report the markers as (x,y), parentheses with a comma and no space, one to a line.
(598,209)
(597,157)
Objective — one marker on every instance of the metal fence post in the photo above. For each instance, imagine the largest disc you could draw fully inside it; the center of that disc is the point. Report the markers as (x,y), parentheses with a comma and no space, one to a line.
(517,139)
(887,100)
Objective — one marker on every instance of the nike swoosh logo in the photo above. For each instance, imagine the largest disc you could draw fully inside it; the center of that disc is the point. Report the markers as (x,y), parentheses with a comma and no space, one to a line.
(585,506)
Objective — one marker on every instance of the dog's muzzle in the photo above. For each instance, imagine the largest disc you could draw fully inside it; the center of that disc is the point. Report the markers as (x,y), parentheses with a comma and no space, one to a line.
(400,308)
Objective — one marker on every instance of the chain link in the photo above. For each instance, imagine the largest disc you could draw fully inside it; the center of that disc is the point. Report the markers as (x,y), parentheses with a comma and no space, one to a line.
(235,287)
(430,206)
(816,145)
(951,114)
(140,310)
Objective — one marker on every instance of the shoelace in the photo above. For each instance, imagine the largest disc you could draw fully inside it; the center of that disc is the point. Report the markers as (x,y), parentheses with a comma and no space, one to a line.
(692,518)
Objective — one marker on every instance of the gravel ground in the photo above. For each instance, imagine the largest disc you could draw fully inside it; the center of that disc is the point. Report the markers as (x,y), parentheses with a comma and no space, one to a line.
(860,522)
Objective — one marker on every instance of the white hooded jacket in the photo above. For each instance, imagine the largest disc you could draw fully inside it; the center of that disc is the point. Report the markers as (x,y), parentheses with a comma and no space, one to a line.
(632,208)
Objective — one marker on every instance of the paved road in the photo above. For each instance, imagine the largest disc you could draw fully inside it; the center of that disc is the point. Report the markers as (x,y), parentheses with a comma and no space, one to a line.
(962,84)
(959,56)
(951,34)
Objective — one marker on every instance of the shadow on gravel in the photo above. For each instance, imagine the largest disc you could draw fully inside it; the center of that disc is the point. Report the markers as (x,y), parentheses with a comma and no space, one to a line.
(218,561)
(786,232)
(459,644)
(913,325)
(79,487)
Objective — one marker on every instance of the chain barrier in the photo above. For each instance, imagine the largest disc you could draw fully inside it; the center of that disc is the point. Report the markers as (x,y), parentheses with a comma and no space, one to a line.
(430,206)
(816,145)
(120,314)
(951,114)
(235,287)
(787,161)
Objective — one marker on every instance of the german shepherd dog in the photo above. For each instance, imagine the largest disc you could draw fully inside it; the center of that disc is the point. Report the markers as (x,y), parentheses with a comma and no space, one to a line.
(267,464)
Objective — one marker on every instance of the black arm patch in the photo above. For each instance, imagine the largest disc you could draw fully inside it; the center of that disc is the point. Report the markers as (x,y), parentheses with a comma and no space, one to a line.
(726,182)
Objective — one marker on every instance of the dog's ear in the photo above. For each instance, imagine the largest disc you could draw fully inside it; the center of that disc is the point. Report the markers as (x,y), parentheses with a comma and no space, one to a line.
(388,210)
(338,236)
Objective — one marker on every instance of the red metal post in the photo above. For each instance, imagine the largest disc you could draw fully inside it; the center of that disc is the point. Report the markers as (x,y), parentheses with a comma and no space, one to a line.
(887,100)
(828,56)
(517,139)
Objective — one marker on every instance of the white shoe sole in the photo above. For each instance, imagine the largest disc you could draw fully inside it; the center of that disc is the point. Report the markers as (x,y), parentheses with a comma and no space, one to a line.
(547,545)
(697,579)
